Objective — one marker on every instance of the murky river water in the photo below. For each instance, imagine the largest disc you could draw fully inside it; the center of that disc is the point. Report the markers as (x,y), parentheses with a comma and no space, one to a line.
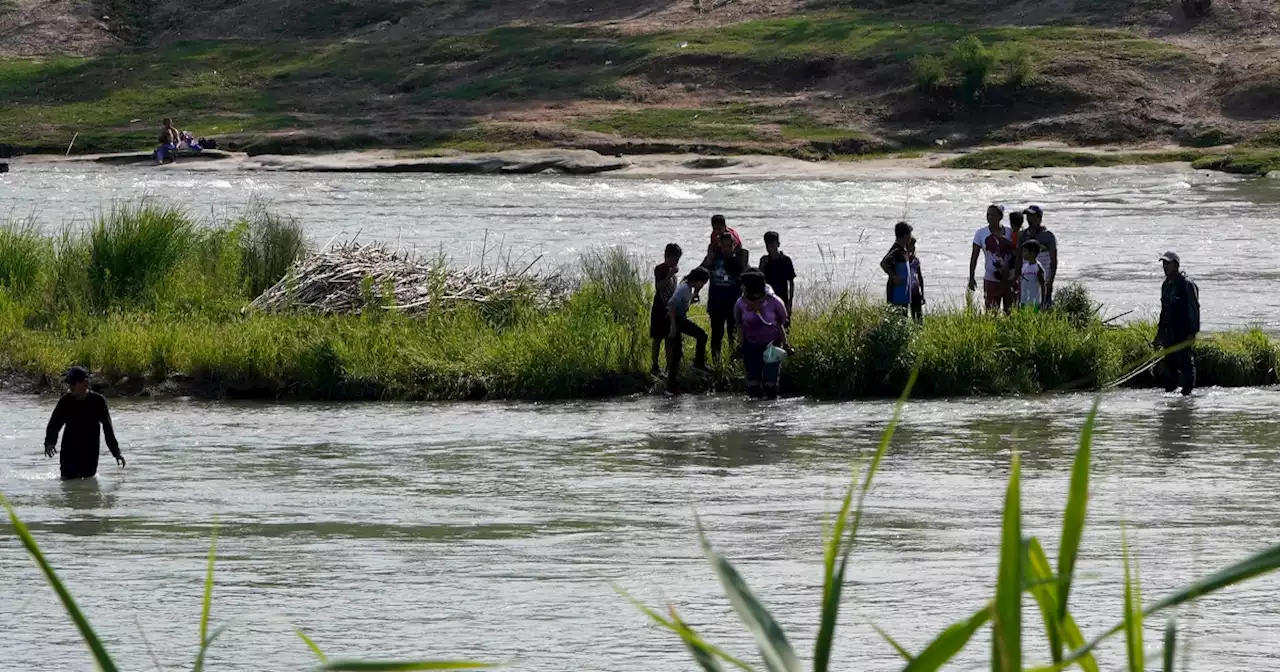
(495,530)
(1111,225)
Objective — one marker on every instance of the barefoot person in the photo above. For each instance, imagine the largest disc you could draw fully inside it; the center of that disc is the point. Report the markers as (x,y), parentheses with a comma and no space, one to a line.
(761,318)
(682,300)
(1179,324)
(995,242)
(82,413)
(664,285)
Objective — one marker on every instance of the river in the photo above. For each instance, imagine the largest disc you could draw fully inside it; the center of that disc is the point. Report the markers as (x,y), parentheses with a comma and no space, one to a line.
(495,531)
(1111,224)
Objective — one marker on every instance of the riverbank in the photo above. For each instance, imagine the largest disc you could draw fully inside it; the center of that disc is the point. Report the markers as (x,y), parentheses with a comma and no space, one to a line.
(1247,161)
(158,304)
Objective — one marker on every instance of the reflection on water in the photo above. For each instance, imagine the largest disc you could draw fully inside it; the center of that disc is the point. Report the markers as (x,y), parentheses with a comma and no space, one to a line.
(1111,225)
(495,530)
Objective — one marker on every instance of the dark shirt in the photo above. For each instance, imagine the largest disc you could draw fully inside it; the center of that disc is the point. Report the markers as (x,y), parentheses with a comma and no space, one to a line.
(81,418)
(1179,310)
(725,287)
(664,285)
(779,273)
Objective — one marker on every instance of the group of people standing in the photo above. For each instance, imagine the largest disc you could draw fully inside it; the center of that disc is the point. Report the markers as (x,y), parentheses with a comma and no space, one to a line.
(1020,264)
(748,307)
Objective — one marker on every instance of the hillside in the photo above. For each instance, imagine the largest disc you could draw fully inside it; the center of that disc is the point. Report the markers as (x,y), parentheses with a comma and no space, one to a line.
(809,79)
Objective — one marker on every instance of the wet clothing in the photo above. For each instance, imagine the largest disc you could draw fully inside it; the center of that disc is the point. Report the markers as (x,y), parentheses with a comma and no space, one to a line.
(1179,322)
(79,420)
(762,376)
(778,274)
(1178,369)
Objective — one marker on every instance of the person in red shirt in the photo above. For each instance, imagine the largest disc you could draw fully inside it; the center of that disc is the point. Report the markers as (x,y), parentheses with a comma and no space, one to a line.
(720,226)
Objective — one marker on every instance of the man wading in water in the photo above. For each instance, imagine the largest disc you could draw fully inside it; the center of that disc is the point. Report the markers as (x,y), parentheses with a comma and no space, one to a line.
(1179,324)
(82,412)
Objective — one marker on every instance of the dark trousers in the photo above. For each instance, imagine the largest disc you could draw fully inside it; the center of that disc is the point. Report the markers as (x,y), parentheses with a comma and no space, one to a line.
(1178,369)
(762,377)
(675,351)
(917,308)
(722,325)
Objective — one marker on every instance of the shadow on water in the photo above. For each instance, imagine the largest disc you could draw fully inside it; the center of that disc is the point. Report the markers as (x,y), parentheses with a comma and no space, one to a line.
(734,448)
(82,495)
(1174,429)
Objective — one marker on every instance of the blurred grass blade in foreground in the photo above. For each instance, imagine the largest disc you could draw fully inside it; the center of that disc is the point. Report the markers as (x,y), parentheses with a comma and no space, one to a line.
(1132,610)
(840,546)
(777,652)
(1170,643)
(948,643)
(1073,521)
(311,645)
(206,604)
(1006,637)
(100,655)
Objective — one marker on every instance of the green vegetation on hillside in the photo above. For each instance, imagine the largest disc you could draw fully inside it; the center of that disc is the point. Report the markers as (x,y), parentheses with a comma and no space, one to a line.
(149,296)
(430,88)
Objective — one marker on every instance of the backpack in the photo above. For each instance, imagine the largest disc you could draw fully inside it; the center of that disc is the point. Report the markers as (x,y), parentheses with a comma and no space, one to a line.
(1193,307)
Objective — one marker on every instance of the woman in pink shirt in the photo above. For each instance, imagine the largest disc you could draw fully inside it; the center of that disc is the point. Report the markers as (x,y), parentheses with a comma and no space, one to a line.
(760,317)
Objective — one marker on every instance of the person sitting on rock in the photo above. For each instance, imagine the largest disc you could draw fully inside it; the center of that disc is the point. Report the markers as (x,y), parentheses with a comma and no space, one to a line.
(169,140)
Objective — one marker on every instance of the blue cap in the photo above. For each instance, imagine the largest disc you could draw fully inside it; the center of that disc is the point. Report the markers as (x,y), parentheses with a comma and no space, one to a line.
(77,374)
(1033,210)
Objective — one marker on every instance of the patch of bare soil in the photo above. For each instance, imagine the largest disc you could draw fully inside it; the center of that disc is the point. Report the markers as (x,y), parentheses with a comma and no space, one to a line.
(50,27)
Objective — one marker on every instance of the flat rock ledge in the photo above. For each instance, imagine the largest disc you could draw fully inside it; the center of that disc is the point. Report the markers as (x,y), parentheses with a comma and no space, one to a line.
(524,161)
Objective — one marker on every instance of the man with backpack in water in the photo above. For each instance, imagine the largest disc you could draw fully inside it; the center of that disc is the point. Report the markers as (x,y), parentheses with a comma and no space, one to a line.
(1179,324)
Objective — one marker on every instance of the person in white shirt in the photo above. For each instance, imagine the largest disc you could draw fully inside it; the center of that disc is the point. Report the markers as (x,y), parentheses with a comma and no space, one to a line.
(995,241)
(1032,285)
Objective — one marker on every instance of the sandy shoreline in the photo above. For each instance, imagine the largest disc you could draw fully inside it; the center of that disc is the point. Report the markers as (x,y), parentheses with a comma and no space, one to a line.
(566,161)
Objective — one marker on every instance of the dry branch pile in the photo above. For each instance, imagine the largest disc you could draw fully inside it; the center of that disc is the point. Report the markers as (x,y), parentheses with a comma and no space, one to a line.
(349,278)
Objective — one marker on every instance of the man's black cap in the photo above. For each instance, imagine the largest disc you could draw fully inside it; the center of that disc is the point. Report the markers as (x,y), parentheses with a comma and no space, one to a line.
(77,374)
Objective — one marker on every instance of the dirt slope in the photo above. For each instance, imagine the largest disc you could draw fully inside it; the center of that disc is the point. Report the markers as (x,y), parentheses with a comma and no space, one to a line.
(785,76)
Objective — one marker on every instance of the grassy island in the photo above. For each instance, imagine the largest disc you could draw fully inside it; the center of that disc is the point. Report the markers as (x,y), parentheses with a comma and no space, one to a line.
(155,302)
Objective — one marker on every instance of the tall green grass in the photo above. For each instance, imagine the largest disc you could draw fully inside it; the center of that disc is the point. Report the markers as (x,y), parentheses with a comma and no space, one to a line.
(182,319)
(24,256)
(103,661)
(1021,568)
(133,248)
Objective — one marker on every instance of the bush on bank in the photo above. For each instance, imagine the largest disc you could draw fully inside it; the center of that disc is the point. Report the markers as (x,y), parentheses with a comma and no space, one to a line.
(178,326)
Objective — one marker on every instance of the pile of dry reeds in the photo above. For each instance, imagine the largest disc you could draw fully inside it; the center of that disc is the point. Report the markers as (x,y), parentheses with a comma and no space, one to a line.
(350,278)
